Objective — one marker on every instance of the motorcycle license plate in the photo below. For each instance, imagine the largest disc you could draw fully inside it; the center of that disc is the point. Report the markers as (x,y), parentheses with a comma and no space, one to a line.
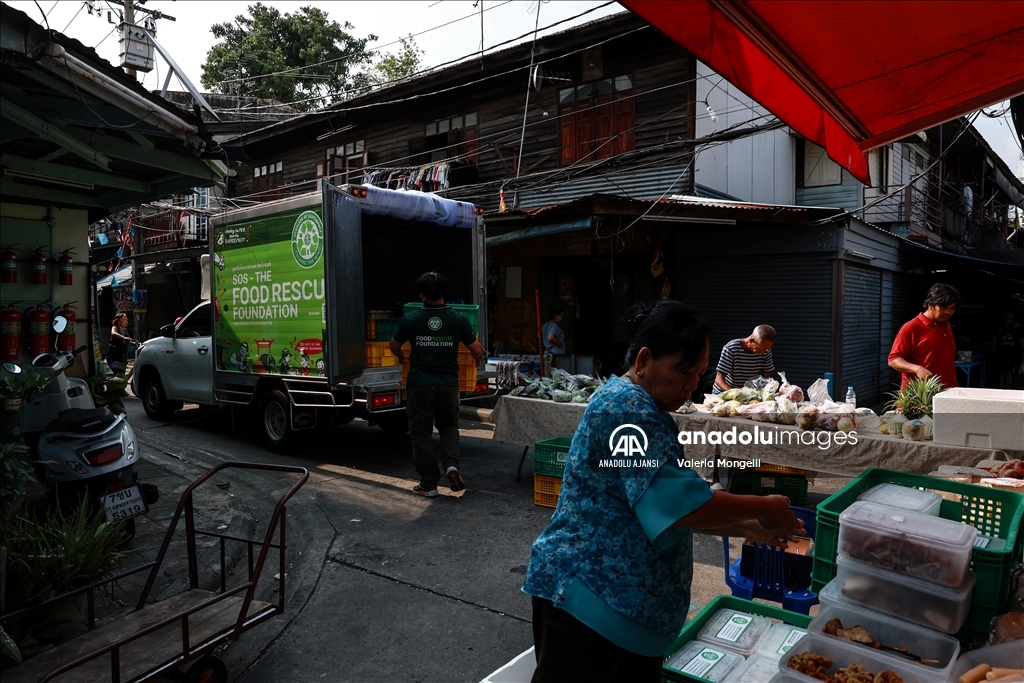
(124,504)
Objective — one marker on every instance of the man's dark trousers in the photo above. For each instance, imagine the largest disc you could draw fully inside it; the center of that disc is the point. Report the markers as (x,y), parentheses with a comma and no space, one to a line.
(426,407)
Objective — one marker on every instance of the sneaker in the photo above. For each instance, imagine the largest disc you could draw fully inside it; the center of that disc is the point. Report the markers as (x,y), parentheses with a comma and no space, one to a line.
(455,479)
(424,491)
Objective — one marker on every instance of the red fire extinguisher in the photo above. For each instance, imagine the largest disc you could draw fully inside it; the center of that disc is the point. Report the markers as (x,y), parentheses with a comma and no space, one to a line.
(10,333)
(39,268)
(65,263)
(38,329)
(10,265)
(66,339)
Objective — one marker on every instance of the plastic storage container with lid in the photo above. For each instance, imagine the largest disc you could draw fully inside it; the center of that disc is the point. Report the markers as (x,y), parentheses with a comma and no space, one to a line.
(892,632)
(735,631)
(1005,656)
(904,497)
(757,669)
(920,546)
(704,661)
(919,602)
(779,638)
(843,654)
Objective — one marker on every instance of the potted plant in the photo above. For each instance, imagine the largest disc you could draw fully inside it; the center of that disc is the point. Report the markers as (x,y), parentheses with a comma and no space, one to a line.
(51,556)
(915,399)
(108,390)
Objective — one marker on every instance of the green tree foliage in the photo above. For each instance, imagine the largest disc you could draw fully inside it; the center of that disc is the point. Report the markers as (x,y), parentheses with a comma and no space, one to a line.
(268,42)
(394,66)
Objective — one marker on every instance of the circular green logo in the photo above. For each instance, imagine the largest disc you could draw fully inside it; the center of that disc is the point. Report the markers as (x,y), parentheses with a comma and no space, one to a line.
(307,239)
(710,656)
(434,324)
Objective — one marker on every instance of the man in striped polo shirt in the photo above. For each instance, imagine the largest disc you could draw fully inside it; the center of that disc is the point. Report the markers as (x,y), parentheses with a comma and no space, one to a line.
(745,359)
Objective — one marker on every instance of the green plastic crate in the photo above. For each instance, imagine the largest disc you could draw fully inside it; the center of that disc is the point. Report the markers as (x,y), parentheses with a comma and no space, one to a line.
(995,512)
(386,328)
(471,311)
(549,456)
(690,631)
(793,486)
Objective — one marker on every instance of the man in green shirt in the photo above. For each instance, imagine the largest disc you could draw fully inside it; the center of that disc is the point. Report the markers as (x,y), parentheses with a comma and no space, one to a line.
(434,333)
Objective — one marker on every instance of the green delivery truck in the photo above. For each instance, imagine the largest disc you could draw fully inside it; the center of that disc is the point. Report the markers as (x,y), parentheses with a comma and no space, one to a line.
(284,330)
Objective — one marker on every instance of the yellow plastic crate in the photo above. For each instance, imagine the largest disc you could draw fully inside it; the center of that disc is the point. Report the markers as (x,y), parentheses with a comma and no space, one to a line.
(546,490)
(378,355)
(467,377)
(464,355)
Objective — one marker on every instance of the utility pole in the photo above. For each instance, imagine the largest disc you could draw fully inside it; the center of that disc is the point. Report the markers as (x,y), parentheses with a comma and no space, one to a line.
(129,18)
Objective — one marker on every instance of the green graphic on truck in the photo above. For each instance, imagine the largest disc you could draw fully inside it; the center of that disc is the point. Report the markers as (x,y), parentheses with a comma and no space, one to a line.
(269,306)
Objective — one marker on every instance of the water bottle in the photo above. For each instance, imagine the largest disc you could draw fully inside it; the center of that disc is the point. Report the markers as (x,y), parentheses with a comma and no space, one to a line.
(851,397)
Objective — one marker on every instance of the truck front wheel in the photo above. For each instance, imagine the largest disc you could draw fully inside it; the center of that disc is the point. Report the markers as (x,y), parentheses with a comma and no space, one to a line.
(275,421)
(155,401)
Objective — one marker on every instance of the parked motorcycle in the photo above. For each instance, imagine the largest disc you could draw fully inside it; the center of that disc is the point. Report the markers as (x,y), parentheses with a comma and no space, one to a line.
(82,450)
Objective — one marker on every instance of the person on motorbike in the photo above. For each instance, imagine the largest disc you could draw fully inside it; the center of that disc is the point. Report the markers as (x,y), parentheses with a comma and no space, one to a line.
(117,350)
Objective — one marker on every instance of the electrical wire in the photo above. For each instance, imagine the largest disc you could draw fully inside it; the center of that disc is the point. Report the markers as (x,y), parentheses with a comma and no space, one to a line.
(72,18)
(285,72)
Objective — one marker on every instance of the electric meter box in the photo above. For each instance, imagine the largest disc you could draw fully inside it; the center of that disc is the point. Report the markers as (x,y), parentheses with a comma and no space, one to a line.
(136,48)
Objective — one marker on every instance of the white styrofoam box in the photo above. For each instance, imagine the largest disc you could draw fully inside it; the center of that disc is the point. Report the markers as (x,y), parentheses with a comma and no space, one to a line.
(981,418)
(519,670)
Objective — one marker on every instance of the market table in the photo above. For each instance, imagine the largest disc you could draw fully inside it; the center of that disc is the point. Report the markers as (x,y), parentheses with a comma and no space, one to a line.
(527,420)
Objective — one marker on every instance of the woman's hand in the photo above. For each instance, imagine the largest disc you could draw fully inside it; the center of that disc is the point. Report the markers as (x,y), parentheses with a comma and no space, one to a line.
(776,518)
(753,531)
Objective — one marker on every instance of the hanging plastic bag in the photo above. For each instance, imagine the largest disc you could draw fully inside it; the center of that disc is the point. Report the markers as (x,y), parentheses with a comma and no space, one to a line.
(818,392)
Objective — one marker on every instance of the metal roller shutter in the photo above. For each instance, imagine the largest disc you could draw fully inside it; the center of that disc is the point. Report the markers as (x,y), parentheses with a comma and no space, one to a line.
(790,292)
(861,334)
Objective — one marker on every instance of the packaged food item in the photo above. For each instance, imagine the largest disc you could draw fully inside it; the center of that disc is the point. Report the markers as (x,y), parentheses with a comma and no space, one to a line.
(757,669)
(779,639)
(704,661)
(919,602)
(817,657)
(735,631)
(916,545)
(904,497)
(1005,659)
(929,651)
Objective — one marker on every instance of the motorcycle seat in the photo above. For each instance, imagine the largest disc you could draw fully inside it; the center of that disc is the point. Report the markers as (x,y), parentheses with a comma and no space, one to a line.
(82,420)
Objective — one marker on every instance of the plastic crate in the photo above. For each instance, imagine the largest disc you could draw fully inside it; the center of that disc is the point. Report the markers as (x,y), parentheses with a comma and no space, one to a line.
(471,311)
(467,377)
(465,356)
(378,355)
(385,328)
(780,469)
(690,631)
(546,490)
(994,512)
(549,456)
(793,486)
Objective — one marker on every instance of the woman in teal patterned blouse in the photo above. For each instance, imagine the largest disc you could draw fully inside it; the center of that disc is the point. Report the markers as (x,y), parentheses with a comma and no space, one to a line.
(610,576)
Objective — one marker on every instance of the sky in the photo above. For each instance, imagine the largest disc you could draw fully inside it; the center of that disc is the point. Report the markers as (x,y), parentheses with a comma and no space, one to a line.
(188,38)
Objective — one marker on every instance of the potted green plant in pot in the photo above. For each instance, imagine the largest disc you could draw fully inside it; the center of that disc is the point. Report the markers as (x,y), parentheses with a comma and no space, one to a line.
(49,557)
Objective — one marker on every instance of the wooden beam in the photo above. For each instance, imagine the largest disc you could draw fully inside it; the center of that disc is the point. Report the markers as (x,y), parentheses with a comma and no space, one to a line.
(44,130)
(155,158)
(12,190)
(58,171)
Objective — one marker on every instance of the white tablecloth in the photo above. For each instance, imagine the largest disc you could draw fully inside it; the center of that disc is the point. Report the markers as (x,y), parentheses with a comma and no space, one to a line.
(527,420)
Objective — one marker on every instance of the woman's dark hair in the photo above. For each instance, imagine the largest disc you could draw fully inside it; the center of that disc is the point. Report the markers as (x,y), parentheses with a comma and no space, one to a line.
(943,295)
(553,311)
(431,285)
(118,317)
(670,327)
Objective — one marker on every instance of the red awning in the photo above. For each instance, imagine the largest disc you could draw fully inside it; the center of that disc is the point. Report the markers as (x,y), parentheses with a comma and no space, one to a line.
(853,75)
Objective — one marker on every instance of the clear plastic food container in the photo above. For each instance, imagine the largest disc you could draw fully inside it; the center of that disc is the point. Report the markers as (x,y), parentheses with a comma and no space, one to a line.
(757,669)
(919,602)
(1005,656)
(904,497)
(924,547)
(937,652)
(704,661)
(779,638)
(843,654)
(735,631)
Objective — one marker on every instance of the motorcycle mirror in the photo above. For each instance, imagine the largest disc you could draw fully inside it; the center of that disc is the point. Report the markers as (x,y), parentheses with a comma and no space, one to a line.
(59,323)
(12,368)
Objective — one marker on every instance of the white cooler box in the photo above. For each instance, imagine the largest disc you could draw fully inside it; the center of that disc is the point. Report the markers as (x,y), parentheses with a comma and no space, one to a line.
(981,418)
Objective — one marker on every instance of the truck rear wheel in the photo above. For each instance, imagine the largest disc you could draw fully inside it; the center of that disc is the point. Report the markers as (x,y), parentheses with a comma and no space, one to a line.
(275,421)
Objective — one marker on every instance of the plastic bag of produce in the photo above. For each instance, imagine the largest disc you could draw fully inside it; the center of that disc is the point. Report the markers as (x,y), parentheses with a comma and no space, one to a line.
(764,386)
(712,400)
(866,420)
(560,396)
(818,392)
(743,395)
(807,417)
(786,410)
(790,392)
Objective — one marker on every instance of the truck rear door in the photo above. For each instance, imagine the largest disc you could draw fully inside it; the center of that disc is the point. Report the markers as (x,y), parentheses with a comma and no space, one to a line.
(345,334)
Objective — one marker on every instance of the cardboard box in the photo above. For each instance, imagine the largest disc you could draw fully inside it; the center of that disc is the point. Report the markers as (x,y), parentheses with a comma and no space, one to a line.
(980,418)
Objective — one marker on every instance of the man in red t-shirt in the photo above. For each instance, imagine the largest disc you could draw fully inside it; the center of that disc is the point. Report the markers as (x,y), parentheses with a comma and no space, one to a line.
(925,345)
